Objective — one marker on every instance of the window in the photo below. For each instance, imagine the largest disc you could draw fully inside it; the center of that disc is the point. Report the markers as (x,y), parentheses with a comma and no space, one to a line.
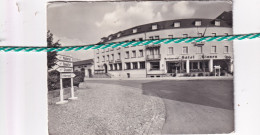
(111,66)
(141,53)
(185,35)
(135,30)
(226,34)
(120,66)
(151,37)
(119,34)
(134,65)
(177,24)
(155,65)
(97,59)
(119,56)
(103,50)
(170,36)
(226,49)
(118,48)
(217,23)
(128,66)
(107,49)
(154,26)
(133,39)
(140,39)
(199,49)
(111,49)
(197,23)
(142,65)
(185,50)
(200,34)
(127,55)
(107,57)
(97,51)
(112,57)
(115,65)
(110,37)
(213,49)
(214,34)
(170,50)
(156,37)
(103,58)
(133,54)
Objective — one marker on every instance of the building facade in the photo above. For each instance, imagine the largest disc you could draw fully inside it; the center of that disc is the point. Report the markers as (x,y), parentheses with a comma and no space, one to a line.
(158,60)
(86,66)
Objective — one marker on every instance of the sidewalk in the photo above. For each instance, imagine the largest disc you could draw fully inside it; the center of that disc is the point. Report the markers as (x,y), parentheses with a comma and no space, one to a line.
(108,109)
(169,78)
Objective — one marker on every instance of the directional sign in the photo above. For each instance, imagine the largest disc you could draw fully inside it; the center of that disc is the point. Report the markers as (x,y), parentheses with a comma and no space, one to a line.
(61,69)
(64,58)
(64,64)
(67,75)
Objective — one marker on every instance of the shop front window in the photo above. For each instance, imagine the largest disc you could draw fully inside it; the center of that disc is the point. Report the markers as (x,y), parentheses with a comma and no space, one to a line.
(155,65)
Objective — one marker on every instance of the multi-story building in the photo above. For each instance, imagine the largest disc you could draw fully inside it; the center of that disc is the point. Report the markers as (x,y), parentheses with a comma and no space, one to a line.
(161,59)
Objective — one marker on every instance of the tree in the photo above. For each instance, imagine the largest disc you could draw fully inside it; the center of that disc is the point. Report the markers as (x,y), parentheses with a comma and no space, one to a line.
(51,56)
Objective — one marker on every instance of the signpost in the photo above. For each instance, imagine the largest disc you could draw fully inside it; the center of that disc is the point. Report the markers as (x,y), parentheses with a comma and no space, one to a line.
(66,71)
(64,64)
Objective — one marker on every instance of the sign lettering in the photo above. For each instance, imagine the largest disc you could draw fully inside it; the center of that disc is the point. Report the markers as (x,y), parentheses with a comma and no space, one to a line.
(67,75)
(65,64)
(61,69)
(64,58)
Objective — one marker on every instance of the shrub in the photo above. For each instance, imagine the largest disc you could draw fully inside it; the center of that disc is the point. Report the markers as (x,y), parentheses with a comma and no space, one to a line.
(81,75)
(211,74)
(173,75)
(187,75)
(53,80)
(200,74)
(223,73)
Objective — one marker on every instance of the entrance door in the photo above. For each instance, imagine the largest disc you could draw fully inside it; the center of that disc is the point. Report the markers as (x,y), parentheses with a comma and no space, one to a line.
(173,67)
(105,68)
(89,73)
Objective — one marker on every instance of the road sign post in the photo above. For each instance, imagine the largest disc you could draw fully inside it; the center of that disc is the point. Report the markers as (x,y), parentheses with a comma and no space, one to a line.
(72,91)
(62,101)
(66,71)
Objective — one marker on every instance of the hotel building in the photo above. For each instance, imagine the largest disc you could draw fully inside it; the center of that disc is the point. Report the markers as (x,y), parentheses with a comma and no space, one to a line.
(173,59)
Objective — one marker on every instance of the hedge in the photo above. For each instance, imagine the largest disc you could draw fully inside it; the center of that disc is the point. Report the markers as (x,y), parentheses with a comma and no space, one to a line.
(54,80)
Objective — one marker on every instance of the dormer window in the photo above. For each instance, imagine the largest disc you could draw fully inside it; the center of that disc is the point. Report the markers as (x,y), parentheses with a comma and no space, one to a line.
(197,23)
(135,30)
(217,23)
(177,24)
(154,27)
(119,35)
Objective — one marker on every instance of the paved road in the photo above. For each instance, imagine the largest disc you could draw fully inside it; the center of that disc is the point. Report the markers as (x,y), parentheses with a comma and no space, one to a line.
(107,109)
(192,106)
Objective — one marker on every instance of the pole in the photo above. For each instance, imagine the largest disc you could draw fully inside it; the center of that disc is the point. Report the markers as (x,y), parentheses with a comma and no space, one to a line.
(72,91)
(62,101)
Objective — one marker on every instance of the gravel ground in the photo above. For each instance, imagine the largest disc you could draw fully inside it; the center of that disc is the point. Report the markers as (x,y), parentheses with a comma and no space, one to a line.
(107,109)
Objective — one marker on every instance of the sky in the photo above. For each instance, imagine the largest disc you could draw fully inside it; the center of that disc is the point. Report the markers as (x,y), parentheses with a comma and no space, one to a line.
(82,23)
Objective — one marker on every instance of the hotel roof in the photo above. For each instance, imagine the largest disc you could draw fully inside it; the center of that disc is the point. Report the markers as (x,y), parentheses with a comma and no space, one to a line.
(225,20)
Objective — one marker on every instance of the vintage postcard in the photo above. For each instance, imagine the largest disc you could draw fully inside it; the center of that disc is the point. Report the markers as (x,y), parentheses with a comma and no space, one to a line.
(139,84)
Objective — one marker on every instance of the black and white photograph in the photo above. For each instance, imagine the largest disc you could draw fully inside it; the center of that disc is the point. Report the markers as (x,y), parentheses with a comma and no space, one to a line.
(126,80)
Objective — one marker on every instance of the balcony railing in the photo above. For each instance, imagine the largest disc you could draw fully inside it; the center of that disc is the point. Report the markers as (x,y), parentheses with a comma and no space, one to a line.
(111,61)
(153,57)
(118,61)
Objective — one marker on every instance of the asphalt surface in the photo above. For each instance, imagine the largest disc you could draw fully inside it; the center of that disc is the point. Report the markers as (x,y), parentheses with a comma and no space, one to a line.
(192,106)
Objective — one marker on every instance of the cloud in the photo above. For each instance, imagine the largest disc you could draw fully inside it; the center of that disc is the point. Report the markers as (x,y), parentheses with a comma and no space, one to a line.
(64,41)
(124,17)
(182,9)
